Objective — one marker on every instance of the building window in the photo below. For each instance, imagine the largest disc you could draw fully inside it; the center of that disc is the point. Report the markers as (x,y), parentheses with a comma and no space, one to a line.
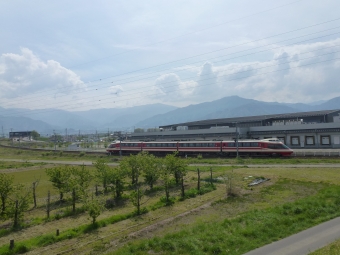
(310,140)
(325,140)
(295,140)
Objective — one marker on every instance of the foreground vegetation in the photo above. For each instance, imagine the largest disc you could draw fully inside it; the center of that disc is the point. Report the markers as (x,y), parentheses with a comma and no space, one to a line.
(247,231)
(94,213)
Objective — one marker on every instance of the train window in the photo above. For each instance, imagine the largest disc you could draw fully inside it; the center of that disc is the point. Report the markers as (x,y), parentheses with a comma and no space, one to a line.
(231,145)
(271,146)
(246,144)
(276,146)
(254,144)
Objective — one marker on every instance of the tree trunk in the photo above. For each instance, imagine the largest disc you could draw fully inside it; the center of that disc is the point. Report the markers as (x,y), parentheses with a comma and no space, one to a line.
(15,222)
(48,204)
(198,179)
(182,187)
(34,195)
(73,200)
(3,202)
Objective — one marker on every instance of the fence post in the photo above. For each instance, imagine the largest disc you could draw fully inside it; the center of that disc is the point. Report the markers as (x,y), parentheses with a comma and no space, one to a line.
(11,244)
(57,232)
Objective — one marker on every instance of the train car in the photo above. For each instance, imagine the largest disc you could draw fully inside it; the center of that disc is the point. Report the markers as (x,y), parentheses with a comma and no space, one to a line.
(197,147)
(160,147)
(126,147)
(265,147)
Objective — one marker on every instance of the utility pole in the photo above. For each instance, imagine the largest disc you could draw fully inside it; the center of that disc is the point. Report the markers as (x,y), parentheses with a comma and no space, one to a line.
(55,141)
(237,136)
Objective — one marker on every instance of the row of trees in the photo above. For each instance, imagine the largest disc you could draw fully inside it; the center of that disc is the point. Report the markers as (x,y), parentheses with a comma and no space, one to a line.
(134,175)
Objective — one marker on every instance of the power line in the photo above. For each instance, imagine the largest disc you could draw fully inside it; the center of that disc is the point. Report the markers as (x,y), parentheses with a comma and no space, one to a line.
(48,110)
(110,83)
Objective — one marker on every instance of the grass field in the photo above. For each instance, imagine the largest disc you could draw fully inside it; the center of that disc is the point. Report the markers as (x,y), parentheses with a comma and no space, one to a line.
(178,228)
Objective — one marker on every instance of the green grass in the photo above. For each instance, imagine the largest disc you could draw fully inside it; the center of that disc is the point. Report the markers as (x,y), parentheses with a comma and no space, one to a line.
(330,249)
(22,154)
(16,165)
(248,231)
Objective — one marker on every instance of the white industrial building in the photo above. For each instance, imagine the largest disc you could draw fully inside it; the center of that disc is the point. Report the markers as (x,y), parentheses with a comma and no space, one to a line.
(318,129)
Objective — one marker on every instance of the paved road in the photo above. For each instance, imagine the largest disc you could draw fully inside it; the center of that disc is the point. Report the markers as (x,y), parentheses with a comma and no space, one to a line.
(304,242)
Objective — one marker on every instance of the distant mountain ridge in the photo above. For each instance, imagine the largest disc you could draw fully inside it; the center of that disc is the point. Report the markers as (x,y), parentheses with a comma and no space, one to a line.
(233,106)
(154,115)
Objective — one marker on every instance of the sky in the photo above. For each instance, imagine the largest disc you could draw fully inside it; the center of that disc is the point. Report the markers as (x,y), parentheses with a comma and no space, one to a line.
(81,55)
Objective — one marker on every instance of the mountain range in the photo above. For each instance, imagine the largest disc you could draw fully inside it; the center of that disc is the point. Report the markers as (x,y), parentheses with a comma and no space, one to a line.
(46,121)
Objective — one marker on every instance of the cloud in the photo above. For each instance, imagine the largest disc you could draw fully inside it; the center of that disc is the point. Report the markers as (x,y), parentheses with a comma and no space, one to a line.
(25,73)
(116,90)
(173,88)
(300,73)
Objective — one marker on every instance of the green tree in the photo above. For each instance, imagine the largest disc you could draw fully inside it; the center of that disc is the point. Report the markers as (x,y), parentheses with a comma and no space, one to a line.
(35,135)
(60,178)
(151,169)
(135,165)
(116,177)
(94,208)
(79,182)
(132,167)
(173,166)
(19,203)
(139,130)
(166,176)
(103,172)
(6,187)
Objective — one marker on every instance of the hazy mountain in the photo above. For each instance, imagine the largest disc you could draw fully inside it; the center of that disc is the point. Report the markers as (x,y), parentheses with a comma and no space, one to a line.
(233,106)
(24,124)
(45,121)
(124,117)
(330,104)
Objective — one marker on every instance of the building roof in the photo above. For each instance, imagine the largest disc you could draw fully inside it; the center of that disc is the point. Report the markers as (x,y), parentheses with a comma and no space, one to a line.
(258,118)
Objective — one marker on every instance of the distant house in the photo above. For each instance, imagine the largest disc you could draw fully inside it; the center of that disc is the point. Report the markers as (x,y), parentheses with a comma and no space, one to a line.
(20,134)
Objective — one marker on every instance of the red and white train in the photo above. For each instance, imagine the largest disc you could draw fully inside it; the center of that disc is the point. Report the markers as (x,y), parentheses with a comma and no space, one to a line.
(265,147)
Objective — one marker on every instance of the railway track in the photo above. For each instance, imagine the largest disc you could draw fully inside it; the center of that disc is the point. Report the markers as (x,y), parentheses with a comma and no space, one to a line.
(303,153)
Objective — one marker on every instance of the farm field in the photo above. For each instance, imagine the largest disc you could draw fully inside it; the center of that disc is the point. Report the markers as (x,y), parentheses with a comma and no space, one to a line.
(120,231)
